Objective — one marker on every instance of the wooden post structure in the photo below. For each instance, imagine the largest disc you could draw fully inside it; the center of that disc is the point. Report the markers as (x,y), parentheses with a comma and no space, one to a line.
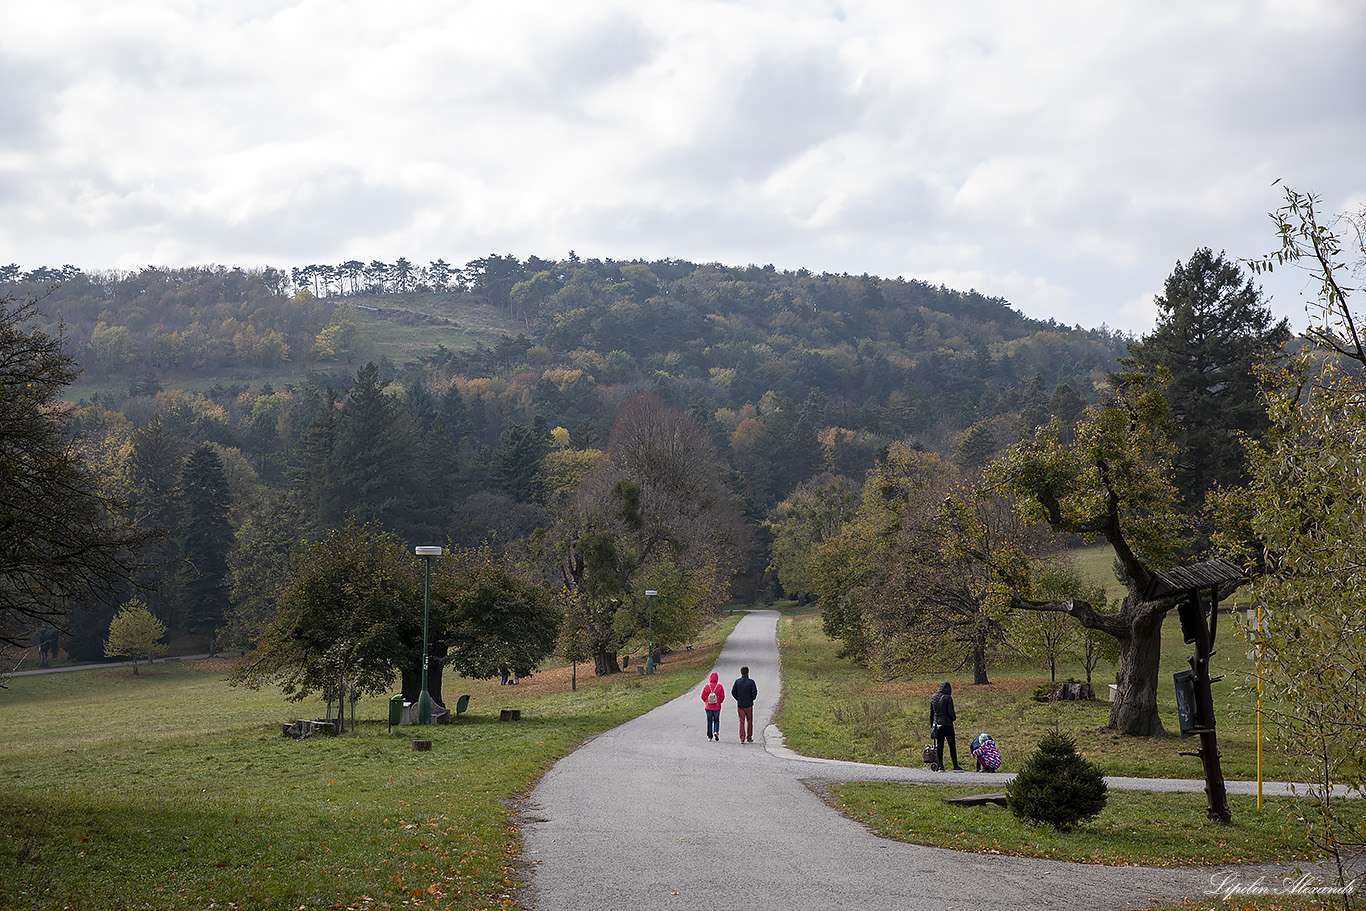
(1185,583)
(1215,789)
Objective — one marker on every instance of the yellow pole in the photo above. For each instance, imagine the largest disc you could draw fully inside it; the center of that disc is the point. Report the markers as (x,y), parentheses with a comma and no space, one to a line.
(1259,704)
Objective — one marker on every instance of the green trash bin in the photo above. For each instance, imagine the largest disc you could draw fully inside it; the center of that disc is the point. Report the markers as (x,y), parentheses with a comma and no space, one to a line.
(395,709)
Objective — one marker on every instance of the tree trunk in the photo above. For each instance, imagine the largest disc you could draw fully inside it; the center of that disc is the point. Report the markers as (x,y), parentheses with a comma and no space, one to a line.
(1134,711)
(979,662)
(605,662)
(412,681)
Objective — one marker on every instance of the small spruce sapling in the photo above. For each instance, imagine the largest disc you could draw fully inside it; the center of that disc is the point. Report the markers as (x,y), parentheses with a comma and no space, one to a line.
(1056,786)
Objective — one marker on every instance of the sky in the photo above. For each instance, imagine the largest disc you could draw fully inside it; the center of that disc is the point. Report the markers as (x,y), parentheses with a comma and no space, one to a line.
(1063,155)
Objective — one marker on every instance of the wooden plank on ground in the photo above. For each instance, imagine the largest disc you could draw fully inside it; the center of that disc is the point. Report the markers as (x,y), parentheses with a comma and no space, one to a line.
(975,800)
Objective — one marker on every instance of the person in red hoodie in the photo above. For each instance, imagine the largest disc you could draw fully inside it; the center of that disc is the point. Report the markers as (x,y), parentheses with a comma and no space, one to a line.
(713,694)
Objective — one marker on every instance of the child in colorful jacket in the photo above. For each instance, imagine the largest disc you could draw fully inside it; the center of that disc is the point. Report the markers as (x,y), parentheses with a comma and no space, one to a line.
(984,749)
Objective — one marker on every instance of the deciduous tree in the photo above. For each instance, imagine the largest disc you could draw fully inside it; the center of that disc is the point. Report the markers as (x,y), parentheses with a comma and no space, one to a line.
(342,622)
(654,510)
(1113,482)
(495,621)
(1304,522)
(812,514)
(135,633)
(62,538)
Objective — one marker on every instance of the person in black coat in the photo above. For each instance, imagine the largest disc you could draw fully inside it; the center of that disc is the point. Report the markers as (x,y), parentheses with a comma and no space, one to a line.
(745,692)
(941,723)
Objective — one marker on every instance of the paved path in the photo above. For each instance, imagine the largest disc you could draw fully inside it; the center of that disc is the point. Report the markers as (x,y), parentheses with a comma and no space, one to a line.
(653,815)
(96,667)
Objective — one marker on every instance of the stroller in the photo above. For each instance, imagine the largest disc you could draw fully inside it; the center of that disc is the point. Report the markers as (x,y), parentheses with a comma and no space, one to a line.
(930,755)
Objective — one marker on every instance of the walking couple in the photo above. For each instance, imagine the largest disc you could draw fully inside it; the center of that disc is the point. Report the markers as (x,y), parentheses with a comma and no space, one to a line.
(744,690)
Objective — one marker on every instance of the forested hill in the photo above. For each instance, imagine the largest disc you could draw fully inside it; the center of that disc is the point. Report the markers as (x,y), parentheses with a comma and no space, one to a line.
(856,361)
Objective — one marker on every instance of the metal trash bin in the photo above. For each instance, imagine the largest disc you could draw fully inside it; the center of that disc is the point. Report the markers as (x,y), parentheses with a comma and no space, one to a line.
(395,709)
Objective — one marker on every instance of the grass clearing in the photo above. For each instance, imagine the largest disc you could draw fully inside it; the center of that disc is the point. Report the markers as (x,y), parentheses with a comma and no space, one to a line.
(172,790)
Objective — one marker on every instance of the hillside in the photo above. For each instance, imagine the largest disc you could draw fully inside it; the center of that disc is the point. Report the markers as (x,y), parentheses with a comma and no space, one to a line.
(496,386)
(893,357)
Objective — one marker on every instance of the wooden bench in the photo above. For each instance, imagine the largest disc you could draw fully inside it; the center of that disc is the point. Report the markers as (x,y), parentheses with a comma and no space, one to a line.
(976,800)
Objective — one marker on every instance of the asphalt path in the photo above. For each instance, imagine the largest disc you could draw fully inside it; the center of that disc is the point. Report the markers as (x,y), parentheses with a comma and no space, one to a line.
(653,815)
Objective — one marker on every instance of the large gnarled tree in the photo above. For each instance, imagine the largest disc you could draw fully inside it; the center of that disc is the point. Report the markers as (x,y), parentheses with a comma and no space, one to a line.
(1113,483)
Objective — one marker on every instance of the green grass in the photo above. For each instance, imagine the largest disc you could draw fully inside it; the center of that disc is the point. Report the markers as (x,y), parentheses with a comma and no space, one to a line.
(457,323)
(1135,827)
(401,335)
(831,708)
(170,789)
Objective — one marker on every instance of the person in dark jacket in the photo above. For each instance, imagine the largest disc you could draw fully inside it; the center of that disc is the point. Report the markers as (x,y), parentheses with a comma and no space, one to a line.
(941,723)
(745,692)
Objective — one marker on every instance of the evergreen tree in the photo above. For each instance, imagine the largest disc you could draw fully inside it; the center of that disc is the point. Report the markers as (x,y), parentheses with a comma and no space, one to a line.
(1212,333)
(374,456)
(259,566)
(205,542)
(438,470)
(1056,786)
(314,458)
(154,464)
(455,417)
(422,405)
(518,457)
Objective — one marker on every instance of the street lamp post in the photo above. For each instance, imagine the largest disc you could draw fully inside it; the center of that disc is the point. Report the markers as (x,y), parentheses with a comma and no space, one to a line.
(424,701)
(650,648)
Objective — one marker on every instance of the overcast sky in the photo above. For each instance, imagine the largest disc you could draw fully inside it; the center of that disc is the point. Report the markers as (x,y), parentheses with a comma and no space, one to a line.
(1061,155)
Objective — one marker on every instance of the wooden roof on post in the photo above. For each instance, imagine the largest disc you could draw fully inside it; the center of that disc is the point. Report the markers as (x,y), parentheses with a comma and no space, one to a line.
(1178,579)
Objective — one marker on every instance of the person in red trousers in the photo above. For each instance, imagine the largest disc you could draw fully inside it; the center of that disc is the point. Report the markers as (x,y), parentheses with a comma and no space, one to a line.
(745,692)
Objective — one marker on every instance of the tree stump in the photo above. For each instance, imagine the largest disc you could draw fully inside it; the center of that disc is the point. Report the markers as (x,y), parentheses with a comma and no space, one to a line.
(422,746)
(1071,692)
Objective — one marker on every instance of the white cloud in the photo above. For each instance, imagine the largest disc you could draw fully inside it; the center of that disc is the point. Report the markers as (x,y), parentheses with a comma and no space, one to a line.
(1059,154)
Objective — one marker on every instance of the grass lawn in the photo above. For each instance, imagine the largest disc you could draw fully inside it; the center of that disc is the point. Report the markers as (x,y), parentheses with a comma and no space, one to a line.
(172,790)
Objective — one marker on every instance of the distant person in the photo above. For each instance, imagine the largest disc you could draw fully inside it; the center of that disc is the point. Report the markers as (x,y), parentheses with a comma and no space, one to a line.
(941,724)
(984,750)
(713,694)
(745,692)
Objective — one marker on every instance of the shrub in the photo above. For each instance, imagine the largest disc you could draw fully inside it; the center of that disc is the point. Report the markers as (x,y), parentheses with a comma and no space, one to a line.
(1056,786)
